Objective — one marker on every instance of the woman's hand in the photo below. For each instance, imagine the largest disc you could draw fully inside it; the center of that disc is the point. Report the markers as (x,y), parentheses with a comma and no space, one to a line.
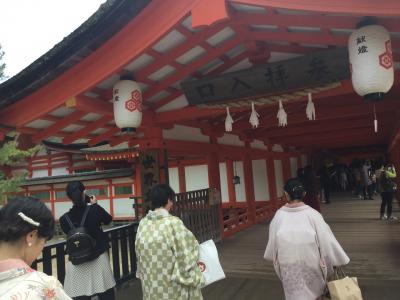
(93,199)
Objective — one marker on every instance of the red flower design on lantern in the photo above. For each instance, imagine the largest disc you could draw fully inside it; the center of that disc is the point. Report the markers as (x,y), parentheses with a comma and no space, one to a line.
(386,59)
(135,103)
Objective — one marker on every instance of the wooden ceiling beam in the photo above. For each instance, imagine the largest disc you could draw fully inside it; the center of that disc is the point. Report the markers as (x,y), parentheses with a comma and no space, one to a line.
(359,7)
(188,69)
(90,105)
(317,21)
(176,52)
(317,126)
(104,136)
(58,126)
(100,123)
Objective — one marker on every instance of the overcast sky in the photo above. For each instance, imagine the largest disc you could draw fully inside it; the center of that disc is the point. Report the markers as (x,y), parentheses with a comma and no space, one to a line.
(29,28)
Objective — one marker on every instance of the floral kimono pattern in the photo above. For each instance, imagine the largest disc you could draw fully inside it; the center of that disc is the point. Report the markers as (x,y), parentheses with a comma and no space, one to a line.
(20,282)
(167,254)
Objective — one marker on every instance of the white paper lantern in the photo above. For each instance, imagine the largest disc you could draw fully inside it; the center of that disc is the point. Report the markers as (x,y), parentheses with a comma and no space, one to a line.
(371,61)
(127,98)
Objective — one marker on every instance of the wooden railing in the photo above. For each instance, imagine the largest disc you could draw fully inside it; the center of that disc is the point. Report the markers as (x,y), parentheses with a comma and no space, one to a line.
(122,255)
(236,217)
(200,212)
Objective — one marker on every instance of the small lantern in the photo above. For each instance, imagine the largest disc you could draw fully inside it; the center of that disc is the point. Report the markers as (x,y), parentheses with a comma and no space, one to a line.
(127,98)
(371,61)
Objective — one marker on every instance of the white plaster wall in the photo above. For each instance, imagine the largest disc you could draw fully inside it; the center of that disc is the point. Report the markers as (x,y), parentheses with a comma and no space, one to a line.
(240,189)
(185,133)
(260,179)
(61,208)
(279,177)
(293,166)
(277,148)
(174,179)
(303,159)
(230,139)
(196,177)
(104,204)
(122,180)
(224,183)
(257,144)
(39,188)
(40,173)
(123,208)
(59,171)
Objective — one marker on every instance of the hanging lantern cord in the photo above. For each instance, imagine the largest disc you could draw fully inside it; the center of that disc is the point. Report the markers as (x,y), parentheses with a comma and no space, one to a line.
(375,120)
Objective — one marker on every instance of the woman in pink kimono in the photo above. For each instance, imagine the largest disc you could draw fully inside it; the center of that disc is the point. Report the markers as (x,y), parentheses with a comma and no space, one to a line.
(302,247)
(25,226)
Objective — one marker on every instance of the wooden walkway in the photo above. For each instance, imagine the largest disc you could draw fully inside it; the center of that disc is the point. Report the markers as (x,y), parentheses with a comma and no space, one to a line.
(372,245)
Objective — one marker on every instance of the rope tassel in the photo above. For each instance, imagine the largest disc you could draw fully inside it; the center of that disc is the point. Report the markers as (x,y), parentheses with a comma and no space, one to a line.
(228,121)
(254,117)
(310,110)
(282,115)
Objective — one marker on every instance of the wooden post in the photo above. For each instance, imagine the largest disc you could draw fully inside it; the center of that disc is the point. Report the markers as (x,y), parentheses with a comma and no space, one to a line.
(182,179)
(214,180)
(231,187)
(272,182)
(249,187)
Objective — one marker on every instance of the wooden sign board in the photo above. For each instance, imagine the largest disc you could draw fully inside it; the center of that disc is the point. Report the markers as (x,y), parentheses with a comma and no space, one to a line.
(150,174)
(275,78)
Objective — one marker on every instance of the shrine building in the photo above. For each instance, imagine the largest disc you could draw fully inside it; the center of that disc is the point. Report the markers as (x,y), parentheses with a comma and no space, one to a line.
(228,95)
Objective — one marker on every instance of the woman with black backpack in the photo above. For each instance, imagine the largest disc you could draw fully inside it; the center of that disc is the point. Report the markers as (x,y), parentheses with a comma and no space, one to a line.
(88,273)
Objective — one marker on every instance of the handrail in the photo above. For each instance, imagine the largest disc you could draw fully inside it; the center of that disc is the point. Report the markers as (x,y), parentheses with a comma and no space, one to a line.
(122,254)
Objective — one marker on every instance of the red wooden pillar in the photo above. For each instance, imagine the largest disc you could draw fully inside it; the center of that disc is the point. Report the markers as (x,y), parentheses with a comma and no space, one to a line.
(229,176)
(249,187)
(111,197)
(52,200)
(182,179)
(272,182)
(214,180)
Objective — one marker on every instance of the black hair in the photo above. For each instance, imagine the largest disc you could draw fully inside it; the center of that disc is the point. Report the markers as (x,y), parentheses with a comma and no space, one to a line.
(160,194)
(294,187)
(13,227)
(74,192)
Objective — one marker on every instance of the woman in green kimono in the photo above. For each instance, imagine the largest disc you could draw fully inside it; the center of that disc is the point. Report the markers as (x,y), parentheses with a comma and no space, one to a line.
(167,253)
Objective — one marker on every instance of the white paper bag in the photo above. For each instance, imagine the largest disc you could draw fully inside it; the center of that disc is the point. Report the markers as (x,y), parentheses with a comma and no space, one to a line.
(209,262)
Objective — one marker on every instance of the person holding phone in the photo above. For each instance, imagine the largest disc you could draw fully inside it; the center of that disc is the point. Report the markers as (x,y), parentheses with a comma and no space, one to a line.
(93,277)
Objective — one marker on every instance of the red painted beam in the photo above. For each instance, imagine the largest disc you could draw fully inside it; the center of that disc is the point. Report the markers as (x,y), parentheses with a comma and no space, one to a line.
(187,113)
(187,70)
(70,138)
(176,52)
(357,7)
(138,35)
(104,137)
(308,38)
(318,21)
(93,105)
(316,127)
(51,130)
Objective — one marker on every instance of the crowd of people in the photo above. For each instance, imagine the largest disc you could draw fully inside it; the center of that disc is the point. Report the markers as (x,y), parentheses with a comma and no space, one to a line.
(366,179)
(301,245)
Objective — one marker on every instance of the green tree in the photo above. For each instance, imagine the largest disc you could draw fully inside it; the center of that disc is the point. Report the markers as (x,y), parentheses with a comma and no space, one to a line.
(10,156)
(2,64)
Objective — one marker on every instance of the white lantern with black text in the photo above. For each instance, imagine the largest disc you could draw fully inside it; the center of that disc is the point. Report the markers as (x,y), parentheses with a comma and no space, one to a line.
(371,62)
(127,98)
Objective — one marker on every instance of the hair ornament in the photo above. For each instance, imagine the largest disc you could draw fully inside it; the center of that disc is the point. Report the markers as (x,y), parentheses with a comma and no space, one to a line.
(28,220)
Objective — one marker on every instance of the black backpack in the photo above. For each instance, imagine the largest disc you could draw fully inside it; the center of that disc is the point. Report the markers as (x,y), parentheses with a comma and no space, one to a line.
(81,246)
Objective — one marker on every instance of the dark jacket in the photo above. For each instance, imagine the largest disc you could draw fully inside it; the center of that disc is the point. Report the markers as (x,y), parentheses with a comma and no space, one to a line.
(95,218)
